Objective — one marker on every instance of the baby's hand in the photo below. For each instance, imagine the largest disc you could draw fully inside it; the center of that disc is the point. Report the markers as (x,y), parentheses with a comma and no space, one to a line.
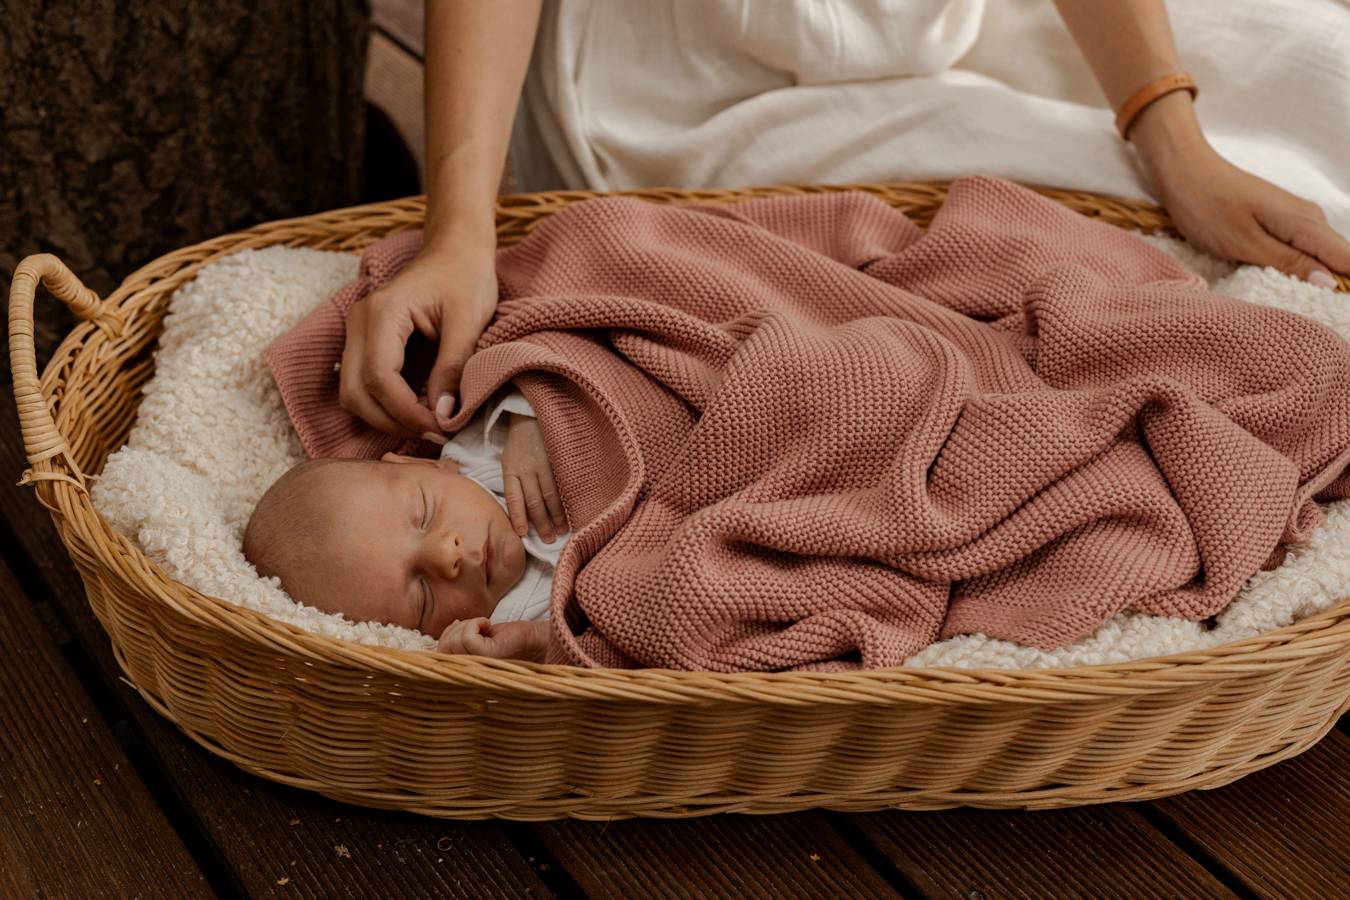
(531,495)
(505,640)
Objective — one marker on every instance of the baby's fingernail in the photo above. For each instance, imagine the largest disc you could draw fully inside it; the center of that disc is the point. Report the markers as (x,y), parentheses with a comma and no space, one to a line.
(434,438)
(1322,279)
(444,405)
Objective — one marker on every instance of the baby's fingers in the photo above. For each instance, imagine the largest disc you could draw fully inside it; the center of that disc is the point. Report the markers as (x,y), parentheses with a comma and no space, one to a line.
(515,504)
(538,510)
(551,499)
(466,636)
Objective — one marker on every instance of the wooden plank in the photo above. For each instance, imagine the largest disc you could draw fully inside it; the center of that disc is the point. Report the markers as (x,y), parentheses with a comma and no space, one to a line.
(402,21)
(394,84)
(1091,851)
(796,855)
(75,819)
(272,838)
(1283,831)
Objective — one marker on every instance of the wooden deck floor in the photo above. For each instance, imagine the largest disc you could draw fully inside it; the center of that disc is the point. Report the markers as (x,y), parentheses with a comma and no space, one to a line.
(101,797)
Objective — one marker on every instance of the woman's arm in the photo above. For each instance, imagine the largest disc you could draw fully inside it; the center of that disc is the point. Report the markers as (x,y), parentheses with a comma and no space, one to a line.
(476,57)
(1221,209)
(477,53)
(1128,43)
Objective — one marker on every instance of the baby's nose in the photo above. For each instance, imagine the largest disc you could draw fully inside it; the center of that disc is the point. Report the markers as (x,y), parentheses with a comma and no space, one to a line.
(449,554)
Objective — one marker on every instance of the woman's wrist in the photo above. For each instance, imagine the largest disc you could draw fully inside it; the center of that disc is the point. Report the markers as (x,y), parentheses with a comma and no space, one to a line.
(461,202)
(464,227)
(1168,139)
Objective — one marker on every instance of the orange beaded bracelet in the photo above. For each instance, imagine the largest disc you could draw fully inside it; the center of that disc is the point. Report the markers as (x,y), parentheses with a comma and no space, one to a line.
(1141,98)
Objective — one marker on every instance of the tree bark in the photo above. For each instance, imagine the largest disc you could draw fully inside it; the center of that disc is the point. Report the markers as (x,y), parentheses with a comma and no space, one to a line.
(130,129)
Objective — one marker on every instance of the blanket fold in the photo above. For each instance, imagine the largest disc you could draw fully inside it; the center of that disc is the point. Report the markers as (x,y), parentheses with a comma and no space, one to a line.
(798,433)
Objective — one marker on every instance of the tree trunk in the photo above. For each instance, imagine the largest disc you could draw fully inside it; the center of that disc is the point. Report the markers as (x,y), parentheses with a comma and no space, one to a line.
(130,129)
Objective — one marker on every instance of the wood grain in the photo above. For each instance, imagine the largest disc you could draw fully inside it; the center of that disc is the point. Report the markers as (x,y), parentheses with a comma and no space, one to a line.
(1285,830)
(75,818)
(732,856)
(1106,851)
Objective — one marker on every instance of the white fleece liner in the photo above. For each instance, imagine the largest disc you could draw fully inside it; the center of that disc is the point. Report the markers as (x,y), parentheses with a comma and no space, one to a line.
(211,435)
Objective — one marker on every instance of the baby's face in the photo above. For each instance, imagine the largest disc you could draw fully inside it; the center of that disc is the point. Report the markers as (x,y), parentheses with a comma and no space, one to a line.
(409,541)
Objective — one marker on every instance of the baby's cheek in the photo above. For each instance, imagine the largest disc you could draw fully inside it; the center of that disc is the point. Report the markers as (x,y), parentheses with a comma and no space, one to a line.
(517,562)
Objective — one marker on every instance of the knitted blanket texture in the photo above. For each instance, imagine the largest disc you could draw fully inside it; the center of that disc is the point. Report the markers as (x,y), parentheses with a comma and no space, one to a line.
(799,433)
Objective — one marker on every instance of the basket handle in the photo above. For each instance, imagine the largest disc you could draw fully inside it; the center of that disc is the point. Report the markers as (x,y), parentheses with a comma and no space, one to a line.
(41,438)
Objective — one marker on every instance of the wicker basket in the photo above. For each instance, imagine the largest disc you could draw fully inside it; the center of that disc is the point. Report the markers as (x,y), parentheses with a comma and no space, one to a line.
(467,737)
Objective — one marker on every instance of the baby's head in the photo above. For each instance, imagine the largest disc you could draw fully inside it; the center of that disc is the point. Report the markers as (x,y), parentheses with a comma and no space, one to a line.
(399,540)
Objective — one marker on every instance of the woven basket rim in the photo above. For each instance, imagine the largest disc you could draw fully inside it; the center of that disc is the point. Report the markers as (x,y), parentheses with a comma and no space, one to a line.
(932,684)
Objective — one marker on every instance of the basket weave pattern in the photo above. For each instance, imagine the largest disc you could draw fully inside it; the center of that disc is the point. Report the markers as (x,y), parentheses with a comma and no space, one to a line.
(467,737)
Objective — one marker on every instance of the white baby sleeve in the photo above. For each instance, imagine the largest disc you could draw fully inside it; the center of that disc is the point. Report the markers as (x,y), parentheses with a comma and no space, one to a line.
(513,401)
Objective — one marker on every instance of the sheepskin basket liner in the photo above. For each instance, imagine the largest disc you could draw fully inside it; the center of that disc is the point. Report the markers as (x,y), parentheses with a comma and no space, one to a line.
(467,737)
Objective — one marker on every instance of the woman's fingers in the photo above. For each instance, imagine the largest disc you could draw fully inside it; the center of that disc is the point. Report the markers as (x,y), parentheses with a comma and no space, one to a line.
(1307,242)
(447,297)
(467,290)
(388,328)
(457,342)
(1279,255)
(1230,213)
(352,393)
(1265,249)
(443,384)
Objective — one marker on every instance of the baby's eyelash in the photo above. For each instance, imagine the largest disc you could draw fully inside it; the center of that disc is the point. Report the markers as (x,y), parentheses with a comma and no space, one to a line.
(426,508)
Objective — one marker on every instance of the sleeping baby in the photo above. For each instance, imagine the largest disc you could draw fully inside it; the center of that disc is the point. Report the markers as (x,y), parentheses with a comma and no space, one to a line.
(461,548)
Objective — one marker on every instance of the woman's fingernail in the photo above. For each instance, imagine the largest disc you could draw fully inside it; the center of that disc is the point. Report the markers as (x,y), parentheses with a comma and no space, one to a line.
(1322,279)
(444,405)
(434,438)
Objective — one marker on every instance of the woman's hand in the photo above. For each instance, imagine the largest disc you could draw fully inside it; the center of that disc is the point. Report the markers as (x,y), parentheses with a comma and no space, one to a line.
(506,640)
(1219,208)
(1232,214)
(447,297)
(531,495)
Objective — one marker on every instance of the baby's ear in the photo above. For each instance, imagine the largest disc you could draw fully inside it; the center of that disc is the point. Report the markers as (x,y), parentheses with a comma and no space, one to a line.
(393,457)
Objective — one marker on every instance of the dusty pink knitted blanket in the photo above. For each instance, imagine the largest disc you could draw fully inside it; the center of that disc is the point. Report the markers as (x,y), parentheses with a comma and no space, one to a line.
(798,433)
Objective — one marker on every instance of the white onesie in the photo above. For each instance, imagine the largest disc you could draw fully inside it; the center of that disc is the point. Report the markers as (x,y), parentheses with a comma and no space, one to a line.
(477,447)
